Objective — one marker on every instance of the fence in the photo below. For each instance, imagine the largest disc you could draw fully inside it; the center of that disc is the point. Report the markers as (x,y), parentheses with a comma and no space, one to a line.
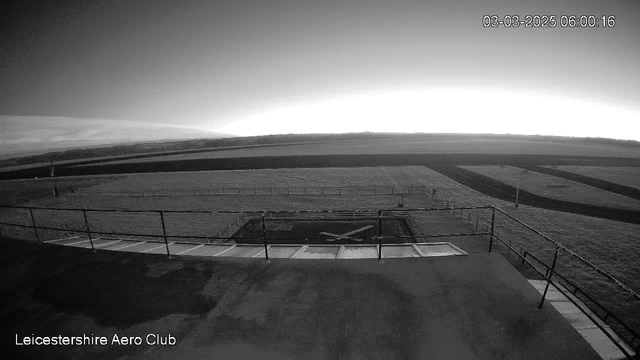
(630,335)
(273,190)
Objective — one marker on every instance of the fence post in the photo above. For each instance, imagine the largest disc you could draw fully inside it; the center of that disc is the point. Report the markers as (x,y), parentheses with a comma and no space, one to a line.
(469,218)
(379,235)
(164,233)
(493,220)
(550,274)
(264,237)
(477,224)
(86,223)
(33,222)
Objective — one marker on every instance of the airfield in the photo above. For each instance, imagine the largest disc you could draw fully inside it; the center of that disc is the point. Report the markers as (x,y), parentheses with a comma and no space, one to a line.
(584,196)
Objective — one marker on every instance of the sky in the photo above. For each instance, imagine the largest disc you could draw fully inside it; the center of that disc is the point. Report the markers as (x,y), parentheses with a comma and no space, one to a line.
(251,67)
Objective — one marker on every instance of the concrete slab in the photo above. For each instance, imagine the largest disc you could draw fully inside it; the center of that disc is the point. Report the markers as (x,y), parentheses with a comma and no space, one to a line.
(160,248)
(121,245)
(97,243)
(210,250)
(359,252)
(145,246)
(243,251)
(282,252)
(438,250)
(576,317)
(603,345)
(320,252)
(72,241)
(399,251)
(459,307)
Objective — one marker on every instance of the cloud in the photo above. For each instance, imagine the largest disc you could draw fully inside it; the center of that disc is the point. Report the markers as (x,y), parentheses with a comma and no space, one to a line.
(30,134)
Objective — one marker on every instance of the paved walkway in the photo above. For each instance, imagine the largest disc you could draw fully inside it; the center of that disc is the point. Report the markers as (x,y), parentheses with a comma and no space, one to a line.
(587,328)
(275,251)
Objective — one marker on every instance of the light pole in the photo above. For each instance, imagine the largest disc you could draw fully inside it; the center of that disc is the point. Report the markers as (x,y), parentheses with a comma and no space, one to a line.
(518,190)
(55,186)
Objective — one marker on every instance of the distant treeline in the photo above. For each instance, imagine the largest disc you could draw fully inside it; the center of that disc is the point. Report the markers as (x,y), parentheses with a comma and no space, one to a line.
(159,148)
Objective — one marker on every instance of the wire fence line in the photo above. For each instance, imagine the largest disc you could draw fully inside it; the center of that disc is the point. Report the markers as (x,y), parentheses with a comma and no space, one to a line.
(262,190)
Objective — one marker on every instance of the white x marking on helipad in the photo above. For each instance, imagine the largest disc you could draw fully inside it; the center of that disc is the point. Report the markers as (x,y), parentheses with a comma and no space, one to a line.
(346,235)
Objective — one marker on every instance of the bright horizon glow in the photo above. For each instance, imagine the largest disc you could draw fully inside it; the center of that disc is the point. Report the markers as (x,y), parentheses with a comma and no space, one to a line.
(451,110)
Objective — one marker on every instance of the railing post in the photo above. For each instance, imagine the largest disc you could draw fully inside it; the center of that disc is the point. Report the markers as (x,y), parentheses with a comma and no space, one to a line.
(379,235)
(264,237)
(86,223)
(33,222)
(164,233)
(550,274)
(493,221)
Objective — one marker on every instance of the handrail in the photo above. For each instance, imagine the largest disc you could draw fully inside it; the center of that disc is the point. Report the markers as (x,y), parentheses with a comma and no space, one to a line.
(372,212)
(576,289)
(594,267)
(549,281)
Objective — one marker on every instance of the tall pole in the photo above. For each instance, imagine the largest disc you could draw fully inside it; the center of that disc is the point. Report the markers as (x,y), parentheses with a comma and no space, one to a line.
(52,174)
(518,191)
(264,237)
(493,220)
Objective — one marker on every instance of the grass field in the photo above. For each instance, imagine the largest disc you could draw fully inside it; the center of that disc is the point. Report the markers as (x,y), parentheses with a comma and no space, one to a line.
(554,187)
(356,176)
(629,176)
(420,146)
(19,191)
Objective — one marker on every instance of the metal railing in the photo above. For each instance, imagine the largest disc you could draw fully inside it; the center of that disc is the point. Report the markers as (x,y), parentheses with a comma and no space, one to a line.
(378,214)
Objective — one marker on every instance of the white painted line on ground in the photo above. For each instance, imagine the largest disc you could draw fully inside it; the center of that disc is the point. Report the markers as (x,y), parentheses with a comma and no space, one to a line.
(462,252)
(124,247)
(299,252)
(224,251)
(109,243)
(261,251)
(157,247)
(418,250)
(63,239)
(185,251)
(77,242)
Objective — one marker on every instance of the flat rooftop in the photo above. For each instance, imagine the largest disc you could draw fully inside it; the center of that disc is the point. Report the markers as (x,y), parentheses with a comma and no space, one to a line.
(457,307)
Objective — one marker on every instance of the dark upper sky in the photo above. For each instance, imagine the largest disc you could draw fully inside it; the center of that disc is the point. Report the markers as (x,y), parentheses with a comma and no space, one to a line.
(211,64)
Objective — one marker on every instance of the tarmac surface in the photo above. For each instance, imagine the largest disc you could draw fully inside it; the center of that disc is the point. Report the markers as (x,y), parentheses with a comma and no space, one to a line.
(455,307)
